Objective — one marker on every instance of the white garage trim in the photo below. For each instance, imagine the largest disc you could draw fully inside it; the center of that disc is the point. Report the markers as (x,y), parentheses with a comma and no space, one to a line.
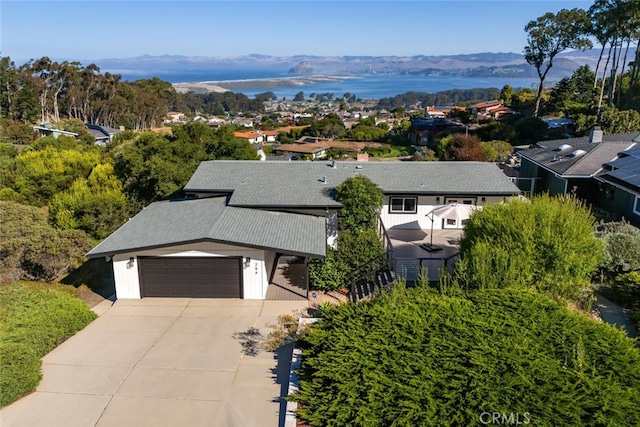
(255,275)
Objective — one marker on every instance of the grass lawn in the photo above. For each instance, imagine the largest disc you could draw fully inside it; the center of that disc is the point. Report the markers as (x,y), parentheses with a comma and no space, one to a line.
(387,151)
(34,319)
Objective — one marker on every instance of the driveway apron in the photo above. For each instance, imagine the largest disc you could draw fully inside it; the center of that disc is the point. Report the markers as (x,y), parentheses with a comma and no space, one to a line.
(162,362)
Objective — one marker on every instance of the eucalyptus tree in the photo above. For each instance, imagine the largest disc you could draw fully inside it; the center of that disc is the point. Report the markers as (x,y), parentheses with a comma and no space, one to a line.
(615,23)
(552,34)
(602,29)
(626,15)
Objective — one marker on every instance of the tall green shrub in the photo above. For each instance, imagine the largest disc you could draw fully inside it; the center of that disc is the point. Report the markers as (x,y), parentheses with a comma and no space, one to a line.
(358,241)
(361,201)
(622,246)
(546,243)
(413,357)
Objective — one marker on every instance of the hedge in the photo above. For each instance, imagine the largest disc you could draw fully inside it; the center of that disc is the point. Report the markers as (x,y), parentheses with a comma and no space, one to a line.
(415,357)
(34,320)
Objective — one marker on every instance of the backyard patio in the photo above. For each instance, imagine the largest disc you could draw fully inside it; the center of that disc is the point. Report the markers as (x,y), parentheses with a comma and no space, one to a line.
(411,251)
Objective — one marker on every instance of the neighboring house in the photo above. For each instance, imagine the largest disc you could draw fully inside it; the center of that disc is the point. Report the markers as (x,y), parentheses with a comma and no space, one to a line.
(311,139)
(45,129)
(102,134)
(270,135)
(175,117)
(258,136)
(619,185)
(240,217)
(313,149)
(423,130)
(589,167)
(562,122)
(432,112)
(216,122)
(244,122)
(491,110)
(253,137)
(319,149)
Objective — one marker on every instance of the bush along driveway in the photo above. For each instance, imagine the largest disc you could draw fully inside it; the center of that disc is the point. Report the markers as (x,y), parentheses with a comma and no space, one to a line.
(35,318)
(164,361)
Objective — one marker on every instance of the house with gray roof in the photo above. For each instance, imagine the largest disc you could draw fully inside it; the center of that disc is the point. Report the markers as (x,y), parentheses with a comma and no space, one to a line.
(102,134)
(619,185)
(580,166)
(238,218)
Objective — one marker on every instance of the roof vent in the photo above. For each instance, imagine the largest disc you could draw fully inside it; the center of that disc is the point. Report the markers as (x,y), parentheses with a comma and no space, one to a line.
(324,180)
(596,135)
(563,147)
(359,167)
(334,164)
(578,153)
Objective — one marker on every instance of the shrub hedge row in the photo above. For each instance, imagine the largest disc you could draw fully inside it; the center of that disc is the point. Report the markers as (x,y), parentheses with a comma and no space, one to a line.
(34,319)
(415,357)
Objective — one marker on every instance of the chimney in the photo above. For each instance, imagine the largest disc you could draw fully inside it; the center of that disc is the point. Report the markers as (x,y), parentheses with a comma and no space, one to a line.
(121,128)
(595,135)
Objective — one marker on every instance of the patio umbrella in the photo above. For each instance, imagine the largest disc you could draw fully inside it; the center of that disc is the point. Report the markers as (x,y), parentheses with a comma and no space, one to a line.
(454,211)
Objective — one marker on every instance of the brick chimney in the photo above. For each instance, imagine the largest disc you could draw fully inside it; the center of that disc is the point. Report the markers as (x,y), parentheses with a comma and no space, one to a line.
(595,135)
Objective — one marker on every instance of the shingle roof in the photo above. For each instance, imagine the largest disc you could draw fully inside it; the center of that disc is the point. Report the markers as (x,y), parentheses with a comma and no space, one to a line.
(182,221)
(561,161)
(301,184)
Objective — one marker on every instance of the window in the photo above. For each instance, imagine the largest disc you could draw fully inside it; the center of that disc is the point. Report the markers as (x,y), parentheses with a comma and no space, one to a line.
(462,201)
(403,205)
(636,206)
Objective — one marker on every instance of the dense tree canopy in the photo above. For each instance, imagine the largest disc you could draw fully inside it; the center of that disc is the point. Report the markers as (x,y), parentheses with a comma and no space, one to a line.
(51,168)
(96,205)
(330,126)
(30,248)
(464,147)
(155,166)
(47,90)
(574,94)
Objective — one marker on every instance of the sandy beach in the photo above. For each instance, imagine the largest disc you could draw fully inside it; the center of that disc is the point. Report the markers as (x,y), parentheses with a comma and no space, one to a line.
(266,84)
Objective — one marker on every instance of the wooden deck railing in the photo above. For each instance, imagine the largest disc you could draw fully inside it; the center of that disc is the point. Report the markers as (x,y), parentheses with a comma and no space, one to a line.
(375,273)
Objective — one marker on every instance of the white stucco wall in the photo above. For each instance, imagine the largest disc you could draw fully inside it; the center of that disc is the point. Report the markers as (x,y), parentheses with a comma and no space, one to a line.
(426,204)
(255,278)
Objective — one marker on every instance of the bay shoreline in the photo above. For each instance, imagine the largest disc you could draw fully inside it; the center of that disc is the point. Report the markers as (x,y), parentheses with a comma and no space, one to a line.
(266,84)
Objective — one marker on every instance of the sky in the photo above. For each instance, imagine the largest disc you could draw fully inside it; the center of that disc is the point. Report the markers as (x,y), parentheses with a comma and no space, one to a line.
(100,29)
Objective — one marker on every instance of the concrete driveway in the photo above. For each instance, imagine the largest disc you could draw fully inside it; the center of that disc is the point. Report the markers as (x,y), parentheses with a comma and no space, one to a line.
(162,362)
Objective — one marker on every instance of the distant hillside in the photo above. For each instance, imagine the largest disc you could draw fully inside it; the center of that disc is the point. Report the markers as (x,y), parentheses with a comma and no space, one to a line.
(471,65)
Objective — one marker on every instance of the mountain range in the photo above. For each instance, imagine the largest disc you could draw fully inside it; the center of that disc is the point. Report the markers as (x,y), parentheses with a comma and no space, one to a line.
(485,64)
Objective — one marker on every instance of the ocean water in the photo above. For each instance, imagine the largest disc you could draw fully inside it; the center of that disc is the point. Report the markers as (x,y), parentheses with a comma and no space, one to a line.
(387,86)
(370,86)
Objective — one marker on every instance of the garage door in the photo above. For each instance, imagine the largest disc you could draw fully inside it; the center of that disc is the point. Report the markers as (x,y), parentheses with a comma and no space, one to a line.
(190,277)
